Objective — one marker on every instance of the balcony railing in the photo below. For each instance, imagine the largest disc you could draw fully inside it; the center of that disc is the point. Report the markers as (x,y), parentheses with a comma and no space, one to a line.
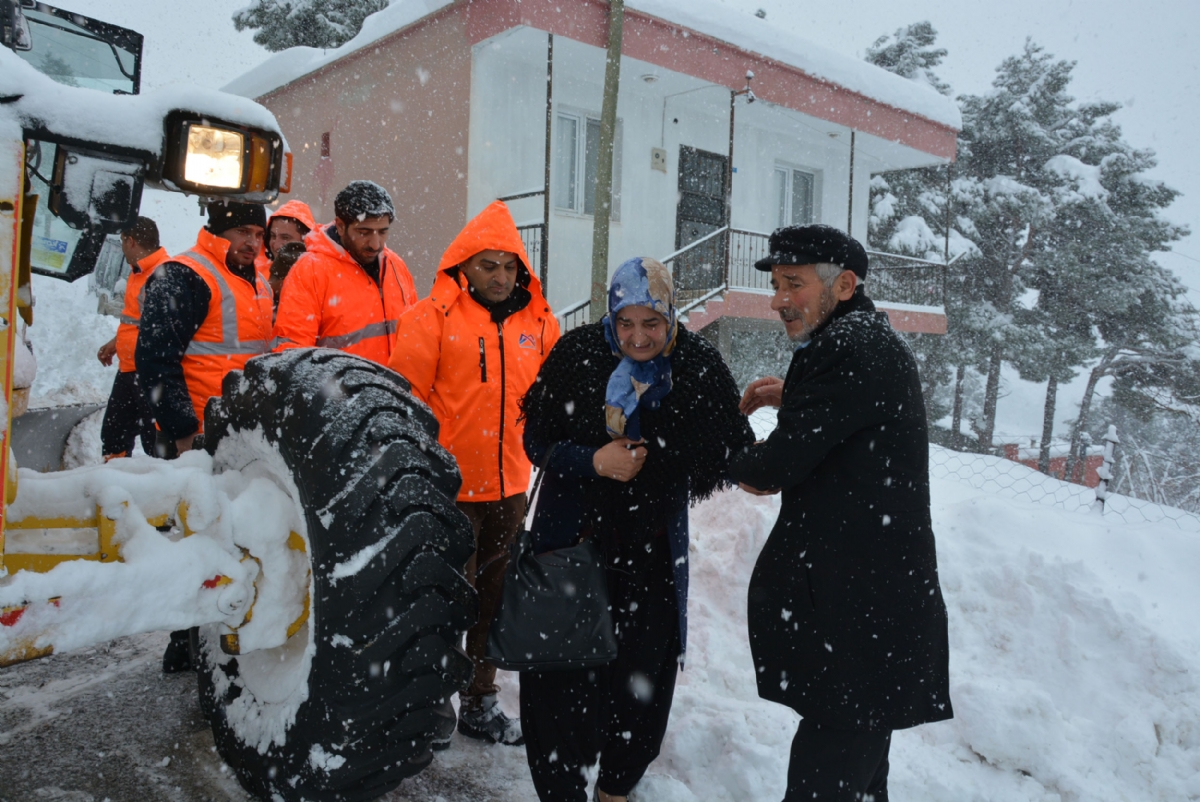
(698,274)
(702,272)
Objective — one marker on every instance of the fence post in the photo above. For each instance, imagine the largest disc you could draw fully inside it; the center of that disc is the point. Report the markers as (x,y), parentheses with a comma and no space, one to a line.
(1111,441)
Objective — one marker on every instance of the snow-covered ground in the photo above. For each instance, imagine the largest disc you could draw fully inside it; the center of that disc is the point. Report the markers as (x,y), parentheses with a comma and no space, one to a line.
(1074,651)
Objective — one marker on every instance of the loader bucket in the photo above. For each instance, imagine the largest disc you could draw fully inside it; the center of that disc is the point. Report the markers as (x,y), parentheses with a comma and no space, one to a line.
(39,437)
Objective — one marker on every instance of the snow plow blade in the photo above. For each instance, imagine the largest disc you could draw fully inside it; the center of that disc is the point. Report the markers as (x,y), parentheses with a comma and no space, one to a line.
(39,437)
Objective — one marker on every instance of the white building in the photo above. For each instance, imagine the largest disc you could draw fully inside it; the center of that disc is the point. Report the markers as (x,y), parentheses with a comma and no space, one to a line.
(445,103)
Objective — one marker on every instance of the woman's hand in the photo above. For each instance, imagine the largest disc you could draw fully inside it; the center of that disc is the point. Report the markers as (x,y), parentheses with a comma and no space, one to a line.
(621,459)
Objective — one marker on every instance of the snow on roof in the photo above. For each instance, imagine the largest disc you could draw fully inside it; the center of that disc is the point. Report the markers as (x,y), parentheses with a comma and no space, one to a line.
(781,43)
(133,121)
(709,17)
(296,62)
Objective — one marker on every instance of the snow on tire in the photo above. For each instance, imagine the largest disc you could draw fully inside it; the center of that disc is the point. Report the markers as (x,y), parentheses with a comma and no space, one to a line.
(347,707)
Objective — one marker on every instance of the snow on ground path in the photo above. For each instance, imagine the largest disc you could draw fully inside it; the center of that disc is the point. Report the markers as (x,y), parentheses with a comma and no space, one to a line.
(101,724)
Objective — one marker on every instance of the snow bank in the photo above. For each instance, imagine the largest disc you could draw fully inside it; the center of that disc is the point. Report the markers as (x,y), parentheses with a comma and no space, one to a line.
(1073,662)
(67,332)
(710,17)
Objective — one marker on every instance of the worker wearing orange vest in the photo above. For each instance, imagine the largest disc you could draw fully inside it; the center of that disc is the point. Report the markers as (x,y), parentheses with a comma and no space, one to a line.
(128,415)
(206,312)
(349,290)
(471,350)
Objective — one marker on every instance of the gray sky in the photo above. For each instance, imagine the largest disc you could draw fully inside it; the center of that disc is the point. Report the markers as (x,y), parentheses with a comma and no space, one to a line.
(1143,55)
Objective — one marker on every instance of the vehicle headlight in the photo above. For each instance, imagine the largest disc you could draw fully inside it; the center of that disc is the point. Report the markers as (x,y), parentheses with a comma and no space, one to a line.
(214,157)
(217,158)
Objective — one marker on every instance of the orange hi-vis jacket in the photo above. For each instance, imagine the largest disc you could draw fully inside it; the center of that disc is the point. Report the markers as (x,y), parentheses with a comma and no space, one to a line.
(296,210)
(472,371)
(329,301)
(237,326)
(131,315)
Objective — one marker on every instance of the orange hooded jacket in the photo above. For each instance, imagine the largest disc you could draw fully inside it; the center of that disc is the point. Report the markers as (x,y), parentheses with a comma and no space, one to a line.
(329,301)
(472,371)
(131,315)
(296,210)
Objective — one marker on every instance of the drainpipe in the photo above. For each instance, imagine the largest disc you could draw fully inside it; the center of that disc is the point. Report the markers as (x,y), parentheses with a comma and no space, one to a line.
(850,205)
(544,268)
(604,165)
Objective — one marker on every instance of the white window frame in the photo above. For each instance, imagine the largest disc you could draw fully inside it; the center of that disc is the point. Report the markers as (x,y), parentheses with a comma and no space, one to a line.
(784,213)
(576,198)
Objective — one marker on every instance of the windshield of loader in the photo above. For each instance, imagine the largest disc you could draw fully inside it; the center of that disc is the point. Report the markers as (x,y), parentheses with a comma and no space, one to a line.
(79,51)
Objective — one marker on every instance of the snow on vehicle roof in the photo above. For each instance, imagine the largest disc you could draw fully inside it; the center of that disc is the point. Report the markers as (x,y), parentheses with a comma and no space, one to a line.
(709,17)
(31,99)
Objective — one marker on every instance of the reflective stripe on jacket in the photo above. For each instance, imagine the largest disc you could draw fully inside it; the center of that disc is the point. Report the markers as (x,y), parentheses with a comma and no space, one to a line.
(131,314)
(329,301)
(472,371)
(237,326)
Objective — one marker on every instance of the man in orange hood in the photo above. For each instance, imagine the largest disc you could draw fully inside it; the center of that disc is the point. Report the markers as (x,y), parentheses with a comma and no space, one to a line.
(471,350)
(291,222)
(349,290)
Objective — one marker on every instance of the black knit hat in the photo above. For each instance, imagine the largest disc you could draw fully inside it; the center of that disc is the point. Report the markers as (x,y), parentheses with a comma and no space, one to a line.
(363,199)
(224,215)
(811,245)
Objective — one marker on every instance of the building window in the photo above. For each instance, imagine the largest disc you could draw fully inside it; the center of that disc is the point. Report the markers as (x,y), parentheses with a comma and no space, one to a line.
(576,157)
(794,190)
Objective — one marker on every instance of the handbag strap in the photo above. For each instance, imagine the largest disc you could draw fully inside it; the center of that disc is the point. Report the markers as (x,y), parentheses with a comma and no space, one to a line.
(529,505)
(537,484)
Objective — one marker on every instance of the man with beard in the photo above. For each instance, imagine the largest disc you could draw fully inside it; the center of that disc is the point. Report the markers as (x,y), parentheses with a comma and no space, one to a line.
(187,340)
(846,618)
(349,290)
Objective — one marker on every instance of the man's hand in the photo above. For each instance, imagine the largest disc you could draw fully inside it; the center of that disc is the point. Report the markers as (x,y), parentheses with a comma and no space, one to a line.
(764,392)
(185,443)
(754,491)
(621,459)
(107,352)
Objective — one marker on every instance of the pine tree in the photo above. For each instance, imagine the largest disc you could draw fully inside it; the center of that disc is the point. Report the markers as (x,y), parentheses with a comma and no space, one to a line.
(310,23)
(910,53)
(1055,222)
(909,216)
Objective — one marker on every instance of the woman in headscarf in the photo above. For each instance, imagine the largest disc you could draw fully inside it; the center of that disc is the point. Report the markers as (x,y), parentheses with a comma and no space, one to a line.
(643,417)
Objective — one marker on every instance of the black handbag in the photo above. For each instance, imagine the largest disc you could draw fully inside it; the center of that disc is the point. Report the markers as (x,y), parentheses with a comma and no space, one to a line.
(553,613)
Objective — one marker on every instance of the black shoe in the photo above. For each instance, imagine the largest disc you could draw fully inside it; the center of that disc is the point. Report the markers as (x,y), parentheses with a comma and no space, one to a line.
(444,730)
(178,656)
(485,721)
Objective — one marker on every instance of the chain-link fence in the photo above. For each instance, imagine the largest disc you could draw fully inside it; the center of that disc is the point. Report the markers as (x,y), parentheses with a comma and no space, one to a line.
(1011,479)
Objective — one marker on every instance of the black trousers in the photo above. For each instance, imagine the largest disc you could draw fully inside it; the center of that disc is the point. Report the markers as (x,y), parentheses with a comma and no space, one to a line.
(831,765)
(127,416)
(615,713)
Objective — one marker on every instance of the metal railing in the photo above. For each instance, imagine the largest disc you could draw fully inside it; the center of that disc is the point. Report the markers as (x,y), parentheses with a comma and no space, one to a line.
(574,315)
(701,273)
(533,236)
(698,276)
(906,280)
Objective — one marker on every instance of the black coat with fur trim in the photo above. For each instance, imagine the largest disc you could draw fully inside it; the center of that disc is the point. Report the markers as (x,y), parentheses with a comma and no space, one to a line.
(689,440)
(846,617)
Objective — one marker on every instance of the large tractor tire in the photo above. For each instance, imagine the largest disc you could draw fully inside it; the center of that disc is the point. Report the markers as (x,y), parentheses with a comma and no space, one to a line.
(349,706)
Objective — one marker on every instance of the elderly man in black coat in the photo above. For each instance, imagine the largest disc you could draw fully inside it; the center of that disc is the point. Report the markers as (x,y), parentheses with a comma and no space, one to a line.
(847,623)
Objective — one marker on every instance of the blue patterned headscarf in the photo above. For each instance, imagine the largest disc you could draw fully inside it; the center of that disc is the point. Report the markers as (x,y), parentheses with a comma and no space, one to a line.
(638,282)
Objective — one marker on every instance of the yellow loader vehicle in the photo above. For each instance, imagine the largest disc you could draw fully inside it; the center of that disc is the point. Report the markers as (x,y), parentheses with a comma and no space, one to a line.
(314,545)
